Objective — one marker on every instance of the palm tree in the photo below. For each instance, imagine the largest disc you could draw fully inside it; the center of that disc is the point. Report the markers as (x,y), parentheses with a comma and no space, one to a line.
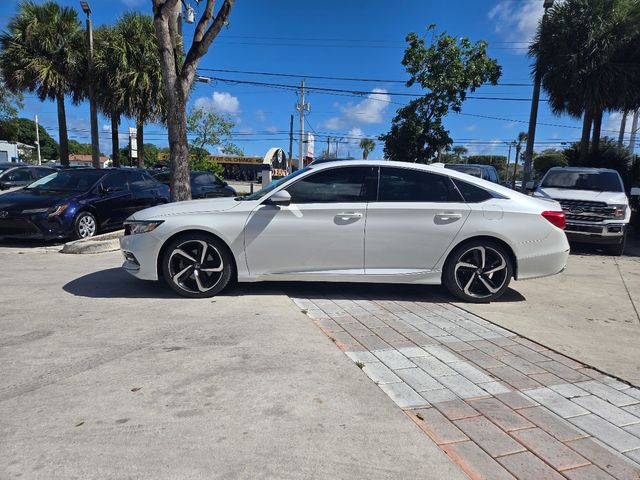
(367,145)
(459,151)
(582,51)
(43,52)
(139,78)
(522,137)
(108,63)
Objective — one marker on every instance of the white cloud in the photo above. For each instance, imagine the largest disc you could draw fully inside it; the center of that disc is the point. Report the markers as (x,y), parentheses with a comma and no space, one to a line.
(611,128)
(219,102)
(334,123)
(510,124)
(370,110)
(471,128)
(261,116)
(517,21)
(271,129)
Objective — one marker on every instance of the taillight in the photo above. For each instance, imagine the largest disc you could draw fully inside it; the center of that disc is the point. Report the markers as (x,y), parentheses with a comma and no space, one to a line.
(557,218)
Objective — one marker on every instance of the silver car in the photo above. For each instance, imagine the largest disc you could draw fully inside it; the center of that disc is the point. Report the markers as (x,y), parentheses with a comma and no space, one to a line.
(353,221)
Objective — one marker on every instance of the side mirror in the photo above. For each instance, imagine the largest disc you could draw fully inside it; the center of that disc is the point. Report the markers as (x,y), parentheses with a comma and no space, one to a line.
(280,199)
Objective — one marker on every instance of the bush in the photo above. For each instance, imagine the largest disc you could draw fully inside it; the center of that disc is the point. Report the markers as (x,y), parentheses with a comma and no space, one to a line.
(609,156)
(547,160)
(498,161)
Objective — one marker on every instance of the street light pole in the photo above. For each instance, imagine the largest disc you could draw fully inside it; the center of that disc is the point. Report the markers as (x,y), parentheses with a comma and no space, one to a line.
(95,142)
(533,117)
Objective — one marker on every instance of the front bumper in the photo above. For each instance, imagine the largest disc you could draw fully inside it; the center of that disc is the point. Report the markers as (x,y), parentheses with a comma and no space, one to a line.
(34,227)
(141,255)
(600,234)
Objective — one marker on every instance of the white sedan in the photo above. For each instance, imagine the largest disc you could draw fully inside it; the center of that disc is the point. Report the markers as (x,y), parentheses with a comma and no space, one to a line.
(353,221)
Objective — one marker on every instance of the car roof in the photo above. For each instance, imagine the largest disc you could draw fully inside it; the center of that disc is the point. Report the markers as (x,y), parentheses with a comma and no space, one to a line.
(584,169)
(474,165)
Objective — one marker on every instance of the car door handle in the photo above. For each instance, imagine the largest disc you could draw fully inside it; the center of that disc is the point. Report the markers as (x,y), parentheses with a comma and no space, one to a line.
(448,217)
(348,216)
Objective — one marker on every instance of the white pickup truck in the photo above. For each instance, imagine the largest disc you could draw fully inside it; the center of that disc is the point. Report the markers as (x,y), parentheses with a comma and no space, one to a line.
(594,202)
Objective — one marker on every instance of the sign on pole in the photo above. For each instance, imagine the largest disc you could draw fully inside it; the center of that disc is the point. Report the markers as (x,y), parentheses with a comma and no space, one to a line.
(133,142)
(310,146)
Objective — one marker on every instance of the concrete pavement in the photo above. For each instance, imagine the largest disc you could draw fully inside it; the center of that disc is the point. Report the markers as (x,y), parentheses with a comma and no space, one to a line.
(107,377)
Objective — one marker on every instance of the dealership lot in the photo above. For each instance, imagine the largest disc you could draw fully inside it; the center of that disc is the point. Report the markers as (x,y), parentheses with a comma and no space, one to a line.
(110,377)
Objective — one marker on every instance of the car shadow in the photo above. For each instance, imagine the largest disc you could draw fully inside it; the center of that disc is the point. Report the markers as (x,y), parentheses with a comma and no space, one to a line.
(116,283)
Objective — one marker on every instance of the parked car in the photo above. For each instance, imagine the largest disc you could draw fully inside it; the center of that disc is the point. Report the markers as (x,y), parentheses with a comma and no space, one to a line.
(486,172)
(78,203)
(203,185)
(14,175)
(424,224)
(594,202)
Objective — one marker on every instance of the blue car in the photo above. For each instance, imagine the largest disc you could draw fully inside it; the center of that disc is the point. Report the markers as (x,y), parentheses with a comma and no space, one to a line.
(78,203)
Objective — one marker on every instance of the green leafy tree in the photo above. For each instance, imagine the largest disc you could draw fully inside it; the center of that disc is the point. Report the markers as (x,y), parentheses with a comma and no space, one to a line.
(610,155)
(367,145)
(10,102)
(459,151)
(447,69)
(233,150)
(42,52)
(139,78)
(209,129)
(548,159)
(23,130)
(587,53)
(76,148)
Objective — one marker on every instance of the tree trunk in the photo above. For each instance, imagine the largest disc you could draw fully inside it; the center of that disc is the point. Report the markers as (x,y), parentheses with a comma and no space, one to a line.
(597,126)
(623,127)
(140,141)
(179,156)
(62,131)
(365,153)
(584,140)
(115,141)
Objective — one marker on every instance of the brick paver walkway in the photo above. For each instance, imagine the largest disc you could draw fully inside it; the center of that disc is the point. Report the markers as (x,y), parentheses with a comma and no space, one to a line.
(501,406)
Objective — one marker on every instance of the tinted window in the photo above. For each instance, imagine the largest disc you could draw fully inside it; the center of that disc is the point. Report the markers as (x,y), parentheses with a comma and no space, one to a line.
(472,193)
(346,184)
(200,179)
(163,177)
(42,172)
(468,169)
(492,175)
(116,182)
(139,181)
(18,175)
(597,181)
(407,185)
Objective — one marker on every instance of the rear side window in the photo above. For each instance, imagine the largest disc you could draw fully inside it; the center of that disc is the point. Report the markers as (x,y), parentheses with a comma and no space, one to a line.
(140,181)
(43,172)
(337,185)
(201,179)
(18,175)
(472,193)
(408,185)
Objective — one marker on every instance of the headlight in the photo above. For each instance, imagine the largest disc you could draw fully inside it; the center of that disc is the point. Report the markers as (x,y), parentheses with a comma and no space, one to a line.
(619,211)
(35,210)
(141,226)
(59,210)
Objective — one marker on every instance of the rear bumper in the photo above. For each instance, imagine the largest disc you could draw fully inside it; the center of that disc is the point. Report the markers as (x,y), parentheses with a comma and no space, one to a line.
(545,258)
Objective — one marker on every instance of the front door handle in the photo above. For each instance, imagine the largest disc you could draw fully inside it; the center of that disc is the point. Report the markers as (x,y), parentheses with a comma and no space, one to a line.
(348,216)
(448,217)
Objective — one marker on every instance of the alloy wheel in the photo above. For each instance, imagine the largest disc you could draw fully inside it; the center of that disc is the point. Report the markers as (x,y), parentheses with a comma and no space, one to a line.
(86,226)
(196,266)
(481,271)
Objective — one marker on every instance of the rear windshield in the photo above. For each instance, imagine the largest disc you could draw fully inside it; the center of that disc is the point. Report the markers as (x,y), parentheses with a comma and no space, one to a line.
(596,181)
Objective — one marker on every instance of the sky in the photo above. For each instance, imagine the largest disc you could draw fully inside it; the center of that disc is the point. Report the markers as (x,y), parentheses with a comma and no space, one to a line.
(347,38)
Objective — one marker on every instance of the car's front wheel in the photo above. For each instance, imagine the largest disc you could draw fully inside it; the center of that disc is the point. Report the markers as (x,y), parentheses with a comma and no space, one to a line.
(197,265)
(85,225)
(478,271)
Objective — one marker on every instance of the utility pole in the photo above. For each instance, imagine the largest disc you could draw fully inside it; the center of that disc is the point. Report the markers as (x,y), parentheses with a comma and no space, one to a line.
(508,161)
(289,163)
(38,140)
(93,112)
(623,127)
(533,117)
(302,107)
(328,146)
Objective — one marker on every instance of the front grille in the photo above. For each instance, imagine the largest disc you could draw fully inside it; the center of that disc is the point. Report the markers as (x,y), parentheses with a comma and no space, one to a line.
(17,226)
(584,228)
(586,211)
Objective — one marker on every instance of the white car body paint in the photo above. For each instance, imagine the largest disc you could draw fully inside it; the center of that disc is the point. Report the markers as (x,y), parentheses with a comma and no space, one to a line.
(381,242)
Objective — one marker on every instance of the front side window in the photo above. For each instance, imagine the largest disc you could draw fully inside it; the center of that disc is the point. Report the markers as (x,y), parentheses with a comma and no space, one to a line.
(336,185)
(140,181)
(408,185)
(116,182)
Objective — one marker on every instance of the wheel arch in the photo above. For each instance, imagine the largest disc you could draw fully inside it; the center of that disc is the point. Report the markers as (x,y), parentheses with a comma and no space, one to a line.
(502,243)
(185,233)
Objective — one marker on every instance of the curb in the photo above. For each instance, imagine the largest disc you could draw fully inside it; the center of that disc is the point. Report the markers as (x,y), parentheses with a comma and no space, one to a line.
(107,242)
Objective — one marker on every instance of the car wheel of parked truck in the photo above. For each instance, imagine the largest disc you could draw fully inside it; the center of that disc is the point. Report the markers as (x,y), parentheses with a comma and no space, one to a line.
(197,265)
(478,271)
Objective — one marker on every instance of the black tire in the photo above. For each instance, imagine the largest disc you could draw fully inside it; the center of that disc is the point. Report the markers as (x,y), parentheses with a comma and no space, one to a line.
(190,274)
(482,283)
(85,225)
(617,249)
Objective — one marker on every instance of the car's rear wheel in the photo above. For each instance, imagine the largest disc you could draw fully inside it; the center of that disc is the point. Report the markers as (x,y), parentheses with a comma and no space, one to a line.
(197,265)
(478,271)
(85,225)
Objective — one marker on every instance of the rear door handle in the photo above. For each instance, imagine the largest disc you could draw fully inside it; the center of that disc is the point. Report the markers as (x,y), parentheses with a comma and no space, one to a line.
(449,217)
(348,215)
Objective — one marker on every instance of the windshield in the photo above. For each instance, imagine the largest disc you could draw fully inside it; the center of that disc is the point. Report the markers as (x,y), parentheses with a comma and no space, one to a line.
(475,171)
(68,181)
(597,181)
(269,188)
